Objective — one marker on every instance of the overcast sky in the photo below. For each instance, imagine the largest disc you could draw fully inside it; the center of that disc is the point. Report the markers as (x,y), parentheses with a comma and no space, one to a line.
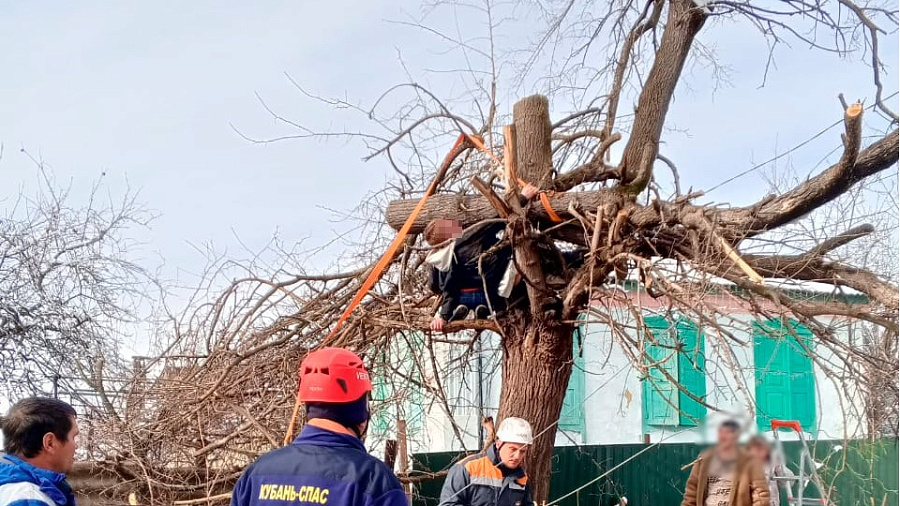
(146,92)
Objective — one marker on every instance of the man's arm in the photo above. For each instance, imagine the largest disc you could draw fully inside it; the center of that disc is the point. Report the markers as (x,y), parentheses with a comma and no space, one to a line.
(394,497)
(528,501)
(455,491)
(690,490)
(434,280)
(759,488)
(783,471)
(241,495)
(448,304)
(441,283)
(529,191)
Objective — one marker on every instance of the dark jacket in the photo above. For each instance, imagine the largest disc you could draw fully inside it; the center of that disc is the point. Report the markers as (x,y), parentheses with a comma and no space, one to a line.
(464,272)
(320,468)
(22,484)
(749,487)
(481,480)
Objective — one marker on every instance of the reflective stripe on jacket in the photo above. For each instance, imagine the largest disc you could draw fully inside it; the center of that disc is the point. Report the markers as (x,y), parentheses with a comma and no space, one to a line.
(481,480)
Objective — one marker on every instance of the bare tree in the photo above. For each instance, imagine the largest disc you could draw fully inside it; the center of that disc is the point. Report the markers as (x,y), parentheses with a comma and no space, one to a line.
(627,223)
(222,388)
(68,288)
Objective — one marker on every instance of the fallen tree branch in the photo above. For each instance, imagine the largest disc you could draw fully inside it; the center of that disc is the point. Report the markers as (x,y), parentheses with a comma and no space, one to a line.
(203,500)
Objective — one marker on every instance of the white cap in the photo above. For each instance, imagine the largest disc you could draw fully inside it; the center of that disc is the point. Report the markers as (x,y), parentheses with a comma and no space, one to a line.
(515,430)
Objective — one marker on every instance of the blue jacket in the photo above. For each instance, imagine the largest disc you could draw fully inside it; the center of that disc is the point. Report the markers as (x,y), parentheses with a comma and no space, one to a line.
(320,468)
(22,484)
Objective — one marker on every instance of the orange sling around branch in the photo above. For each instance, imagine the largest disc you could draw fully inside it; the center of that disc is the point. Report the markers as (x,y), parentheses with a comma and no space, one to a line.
(543,195)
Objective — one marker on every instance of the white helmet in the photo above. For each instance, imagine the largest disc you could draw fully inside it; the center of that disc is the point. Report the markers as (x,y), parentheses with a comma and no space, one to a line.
(514,430)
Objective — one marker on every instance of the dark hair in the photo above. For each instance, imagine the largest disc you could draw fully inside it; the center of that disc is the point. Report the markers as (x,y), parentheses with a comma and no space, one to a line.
(730,424)
(29,420)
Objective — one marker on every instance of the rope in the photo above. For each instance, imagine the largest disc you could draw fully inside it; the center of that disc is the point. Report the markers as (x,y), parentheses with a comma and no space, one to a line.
(550,212)
(785,153)
(607,473)
(385,260)
(545,200)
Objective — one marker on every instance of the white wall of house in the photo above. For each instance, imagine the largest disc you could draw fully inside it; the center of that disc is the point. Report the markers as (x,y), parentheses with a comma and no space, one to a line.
(613,390)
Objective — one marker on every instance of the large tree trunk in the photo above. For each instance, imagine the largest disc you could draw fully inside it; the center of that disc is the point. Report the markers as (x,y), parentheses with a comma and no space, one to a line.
(537,348)
(537,363)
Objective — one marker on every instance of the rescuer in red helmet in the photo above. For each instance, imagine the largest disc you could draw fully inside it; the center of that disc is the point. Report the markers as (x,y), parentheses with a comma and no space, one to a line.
(327,463)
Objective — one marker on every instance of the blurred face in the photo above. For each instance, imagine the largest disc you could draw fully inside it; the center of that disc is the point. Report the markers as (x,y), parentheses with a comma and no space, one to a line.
(512,454)
(446,229)
(728,437)
(61,454)
(759,452)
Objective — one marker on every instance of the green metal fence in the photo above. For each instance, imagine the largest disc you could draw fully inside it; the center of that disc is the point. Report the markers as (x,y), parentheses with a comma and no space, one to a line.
(857,472)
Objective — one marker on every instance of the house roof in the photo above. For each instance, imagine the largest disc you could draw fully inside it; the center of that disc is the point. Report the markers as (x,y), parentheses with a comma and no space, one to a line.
(684,273)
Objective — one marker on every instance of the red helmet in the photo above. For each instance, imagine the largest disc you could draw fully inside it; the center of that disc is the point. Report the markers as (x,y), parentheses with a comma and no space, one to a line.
(333,375)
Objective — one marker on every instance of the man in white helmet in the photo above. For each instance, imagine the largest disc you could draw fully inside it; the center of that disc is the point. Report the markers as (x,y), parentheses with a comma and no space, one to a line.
(495,477)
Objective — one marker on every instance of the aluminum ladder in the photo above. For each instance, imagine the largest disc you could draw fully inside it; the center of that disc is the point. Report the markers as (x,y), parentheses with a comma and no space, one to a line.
(807,468)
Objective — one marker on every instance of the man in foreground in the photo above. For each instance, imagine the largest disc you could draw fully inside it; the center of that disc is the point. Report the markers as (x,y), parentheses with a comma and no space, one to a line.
(725,475)
(327,463)
(39,444)
(495,477)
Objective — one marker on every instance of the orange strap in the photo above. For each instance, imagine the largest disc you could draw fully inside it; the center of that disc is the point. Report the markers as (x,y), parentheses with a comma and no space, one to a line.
(377,271)
(545,200)
(388,256)
(550,212)
(478,143)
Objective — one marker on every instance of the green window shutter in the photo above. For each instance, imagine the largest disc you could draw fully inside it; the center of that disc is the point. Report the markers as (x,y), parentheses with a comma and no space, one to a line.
(381,415)
(660,396)
(770,360)
(802,378)
(691,373)
(785,382)
(415,403)
(572,416)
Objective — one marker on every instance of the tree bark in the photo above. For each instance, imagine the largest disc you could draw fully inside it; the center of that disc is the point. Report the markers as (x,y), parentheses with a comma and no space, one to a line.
(537,346)
(684,22)
(537,363)
(471,209)
(534,162)
(767,214)
(537,349)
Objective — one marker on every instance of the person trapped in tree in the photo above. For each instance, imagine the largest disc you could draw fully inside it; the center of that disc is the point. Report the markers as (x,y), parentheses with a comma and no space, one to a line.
(468,269)
(725,475)
(495,477)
